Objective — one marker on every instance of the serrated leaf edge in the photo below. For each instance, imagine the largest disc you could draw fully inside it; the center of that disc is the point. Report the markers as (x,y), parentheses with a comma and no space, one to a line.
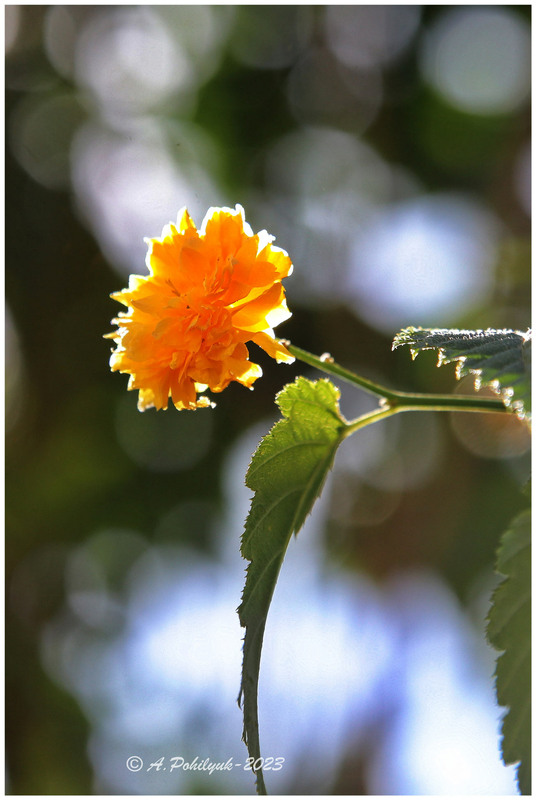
(506,393)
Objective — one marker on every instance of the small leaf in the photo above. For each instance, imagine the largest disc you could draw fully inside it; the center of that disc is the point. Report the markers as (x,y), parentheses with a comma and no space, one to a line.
(509,631)
(287,473)
(500,359)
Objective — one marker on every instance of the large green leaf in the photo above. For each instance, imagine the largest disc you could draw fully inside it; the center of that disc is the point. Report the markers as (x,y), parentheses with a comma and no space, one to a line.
(509,631)
(499,359)
(287,473)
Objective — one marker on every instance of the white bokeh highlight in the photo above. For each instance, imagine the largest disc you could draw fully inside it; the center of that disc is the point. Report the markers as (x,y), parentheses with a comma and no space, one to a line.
(478,58)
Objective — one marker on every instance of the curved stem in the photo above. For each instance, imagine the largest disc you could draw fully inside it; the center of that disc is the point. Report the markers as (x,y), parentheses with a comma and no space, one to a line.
(368,419)
(326,364)
(394,401)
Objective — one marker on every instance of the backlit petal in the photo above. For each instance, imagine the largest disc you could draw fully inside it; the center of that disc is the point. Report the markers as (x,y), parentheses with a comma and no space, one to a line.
(273,347)
(207,294)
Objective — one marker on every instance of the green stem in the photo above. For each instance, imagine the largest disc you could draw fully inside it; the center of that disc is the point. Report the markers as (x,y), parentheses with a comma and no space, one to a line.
(326,364)
(368,419)
(394,401)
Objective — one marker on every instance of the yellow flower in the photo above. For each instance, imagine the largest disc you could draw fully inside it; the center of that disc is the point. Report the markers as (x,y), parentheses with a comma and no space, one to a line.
(208,293)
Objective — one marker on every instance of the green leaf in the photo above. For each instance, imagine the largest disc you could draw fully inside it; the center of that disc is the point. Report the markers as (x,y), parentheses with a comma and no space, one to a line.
(509,631)
(500,359)
(287,473)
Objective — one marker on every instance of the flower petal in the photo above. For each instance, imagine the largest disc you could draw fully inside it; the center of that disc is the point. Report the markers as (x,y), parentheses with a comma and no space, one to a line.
(207,294)
(265,311)
(274,347)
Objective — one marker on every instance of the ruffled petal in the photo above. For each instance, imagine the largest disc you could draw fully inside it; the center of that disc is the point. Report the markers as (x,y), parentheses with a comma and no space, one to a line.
(265,311)
(207,294)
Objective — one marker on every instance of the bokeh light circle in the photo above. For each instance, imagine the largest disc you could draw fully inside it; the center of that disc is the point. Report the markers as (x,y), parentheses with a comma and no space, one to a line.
(423,262)
(41,133)
(479,59)
(368,35)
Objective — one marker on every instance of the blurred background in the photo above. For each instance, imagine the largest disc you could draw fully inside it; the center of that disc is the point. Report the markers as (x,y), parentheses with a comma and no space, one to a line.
(388,150)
